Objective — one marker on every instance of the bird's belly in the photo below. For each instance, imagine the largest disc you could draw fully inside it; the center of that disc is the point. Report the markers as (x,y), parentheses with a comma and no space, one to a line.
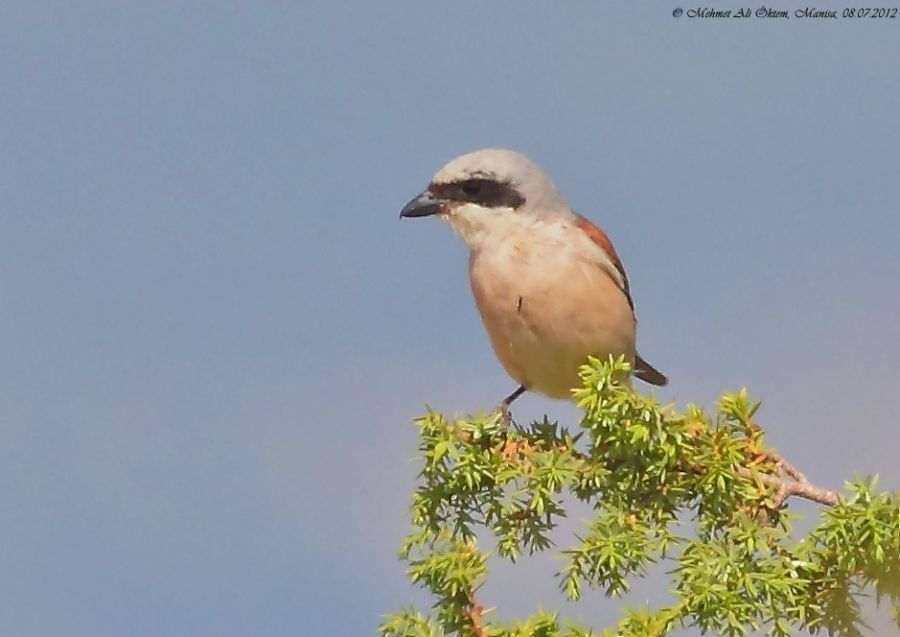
(544,319)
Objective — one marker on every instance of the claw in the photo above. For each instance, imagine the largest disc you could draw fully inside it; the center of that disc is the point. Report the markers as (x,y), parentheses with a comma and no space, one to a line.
(505,414)
(503,407)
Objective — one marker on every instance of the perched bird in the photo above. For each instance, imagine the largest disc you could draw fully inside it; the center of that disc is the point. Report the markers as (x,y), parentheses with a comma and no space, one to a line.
(547,282)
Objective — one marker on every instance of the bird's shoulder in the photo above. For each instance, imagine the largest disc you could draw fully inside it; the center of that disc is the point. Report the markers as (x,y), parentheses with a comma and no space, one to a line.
(610,258)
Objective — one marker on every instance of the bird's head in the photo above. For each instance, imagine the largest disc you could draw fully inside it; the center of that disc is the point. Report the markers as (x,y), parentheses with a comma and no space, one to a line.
(486,194)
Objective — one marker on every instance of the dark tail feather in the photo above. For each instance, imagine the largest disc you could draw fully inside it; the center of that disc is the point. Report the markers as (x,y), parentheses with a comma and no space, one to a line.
(647,373)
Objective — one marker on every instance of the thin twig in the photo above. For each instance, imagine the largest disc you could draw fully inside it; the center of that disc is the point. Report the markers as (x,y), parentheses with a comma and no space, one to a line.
(787,467)
(475,612)
(792,482)
(795,483)
(787,487)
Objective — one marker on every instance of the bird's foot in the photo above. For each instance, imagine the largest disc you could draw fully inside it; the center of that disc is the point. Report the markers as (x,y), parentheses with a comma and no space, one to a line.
(506,418)
(505,414)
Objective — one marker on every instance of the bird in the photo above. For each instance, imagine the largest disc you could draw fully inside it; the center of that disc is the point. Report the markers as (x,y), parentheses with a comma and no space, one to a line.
(548,283)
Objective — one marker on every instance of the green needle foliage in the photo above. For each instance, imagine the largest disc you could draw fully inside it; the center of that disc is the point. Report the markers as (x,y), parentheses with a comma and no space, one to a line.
(698,491)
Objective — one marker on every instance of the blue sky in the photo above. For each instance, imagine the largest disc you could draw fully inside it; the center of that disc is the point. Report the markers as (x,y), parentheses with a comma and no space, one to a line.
(214,331)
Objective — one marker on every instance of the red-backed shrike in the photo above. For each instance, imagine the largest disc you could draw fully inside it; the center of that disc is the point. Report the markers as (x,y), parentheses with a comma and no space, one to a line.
(548,283)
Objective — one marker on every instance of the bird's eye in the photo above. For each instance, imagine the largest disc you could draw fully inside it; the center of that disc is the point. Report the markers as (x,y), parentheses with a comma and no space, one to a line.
(472,187)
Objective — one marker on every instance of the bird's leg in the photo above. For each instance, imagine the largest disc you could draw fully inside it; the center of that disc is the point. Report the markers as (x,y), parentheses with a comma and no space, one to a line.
(503,407)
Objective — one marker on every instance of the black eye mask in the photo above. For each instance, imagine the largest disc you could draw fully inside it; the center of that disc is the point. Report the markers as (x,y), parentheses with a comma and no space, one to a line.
(481,190)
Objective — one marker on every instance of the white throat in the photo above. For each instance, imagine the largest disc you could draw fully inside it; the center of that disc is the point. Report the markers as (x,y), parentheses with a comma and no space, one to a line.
(477,225)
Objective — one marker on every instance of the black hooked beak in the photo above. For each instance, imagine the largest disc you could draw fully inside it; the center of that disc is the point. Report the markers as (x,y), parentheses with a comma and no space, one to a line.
(422,205)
